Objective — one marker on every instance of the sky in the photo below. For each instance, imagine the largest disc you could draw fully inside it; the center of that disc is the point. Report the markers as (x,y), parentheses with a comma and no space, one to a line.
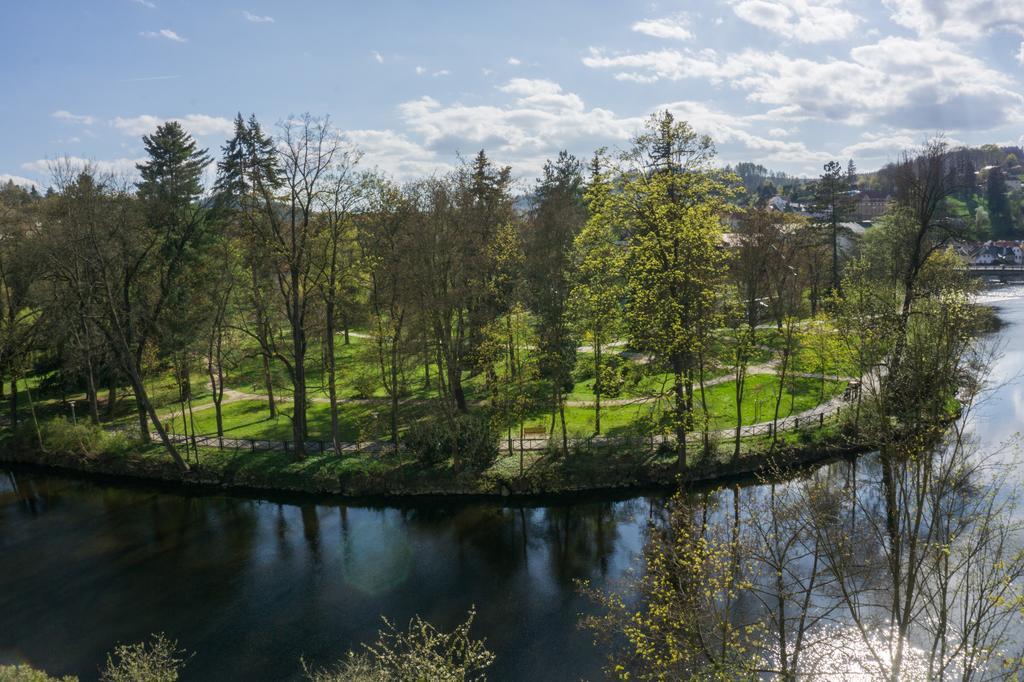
(415,85)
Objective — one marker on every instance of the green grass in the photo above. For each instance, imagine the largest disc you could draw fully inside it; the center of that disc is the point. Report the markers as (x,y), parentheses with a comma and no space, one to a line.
(366,420)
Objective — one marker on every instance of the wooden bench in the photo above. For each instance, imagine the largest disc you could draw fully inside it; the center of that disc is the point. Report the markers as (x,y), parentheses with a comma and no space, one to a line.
(534,432)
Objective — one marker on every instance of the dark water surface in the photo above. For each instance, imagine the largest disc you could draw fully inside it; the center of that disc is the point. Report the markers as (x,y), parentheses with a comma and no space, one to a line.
(251,586)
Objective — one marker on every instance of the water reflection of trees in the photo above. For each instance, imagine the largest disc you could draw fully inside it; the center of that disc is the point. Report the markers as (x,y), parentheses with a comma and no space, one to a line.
(904,565)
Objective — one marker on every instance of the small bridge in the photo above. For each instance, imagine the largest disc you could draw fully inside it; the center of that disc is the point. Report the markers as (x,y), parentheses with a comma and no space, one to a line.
(1010,272)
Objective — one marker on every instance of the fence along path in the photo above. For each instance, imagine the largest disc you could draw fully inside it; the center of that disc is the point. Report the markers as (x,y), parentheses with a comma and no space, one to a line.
(813,418)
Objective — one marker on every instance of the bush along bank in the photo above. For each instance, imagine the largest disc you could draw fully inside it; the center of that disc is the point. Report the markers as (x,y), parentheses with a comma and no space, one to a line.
(589,465)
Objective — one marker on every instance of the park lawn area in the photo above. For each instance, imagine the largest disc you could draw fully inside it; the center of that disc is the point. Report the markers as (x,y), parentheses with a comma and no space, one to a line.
(250,419)
(369,420)
(758,400)
(843,363)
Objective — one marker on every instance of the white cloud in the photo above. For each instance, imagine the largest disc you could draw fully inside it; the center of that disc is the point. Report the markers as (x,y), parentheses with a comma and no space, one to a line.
(197,124)
(879,145)
(145,3)
(19,180)
(256,18)
(513,61)
(63,115)
(441,72)
(378,57)
(672,28)
(543,118)
(901,82)
(725,128)
(396,154)
(958,18)
(812,21)
(1020,55)
(420,70)
(164,33)
(120,166)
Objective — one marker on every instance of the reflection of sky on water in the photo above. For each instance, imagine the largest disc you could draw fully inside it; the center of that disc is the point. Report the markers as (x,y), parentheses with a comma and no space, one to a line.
(251,586)
(997,418)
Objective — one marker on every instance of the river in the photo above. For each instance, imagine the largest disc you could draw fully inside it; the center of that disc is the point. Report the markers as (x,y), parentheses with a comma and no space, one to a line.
(252,585)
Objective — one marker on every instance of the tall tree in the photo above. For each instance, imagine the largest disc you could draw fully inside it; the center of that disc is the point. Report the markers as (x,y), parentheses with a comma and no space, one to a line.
(670,202)
(126,259)
(999,212)
(338,261)
(463,214)
(387,238)
(918,228)
(555,221)
(597,294)
(248,165)
(286,179)
(833,205)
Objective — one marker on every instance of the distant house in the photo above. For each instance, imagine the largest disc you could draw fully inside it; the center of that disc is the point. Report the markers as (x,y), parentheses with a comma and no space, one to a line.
(777,203)
(869,205)
(1002,252)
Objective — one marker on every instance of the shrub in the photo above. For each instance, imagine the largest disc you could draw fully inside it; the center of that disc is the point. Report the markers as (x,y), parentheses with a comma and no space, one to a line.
(470,439)
(420,653)
(158,661)
(24,673)
(83,438)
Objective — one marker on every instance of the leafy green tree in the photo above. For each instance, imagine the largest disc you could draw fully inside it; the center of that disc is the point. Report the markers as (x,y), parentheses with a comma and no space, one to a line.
(20,258)
(681,627)
(247,176)
(421,652)
(24,673)
(387,239)
(833,205)
(999,211)
(159,660)
(670,202)
(280,187)
(339,262)
(557,217)
(918,227)
(463,214)
(508,345)
(127,259)
(595,302)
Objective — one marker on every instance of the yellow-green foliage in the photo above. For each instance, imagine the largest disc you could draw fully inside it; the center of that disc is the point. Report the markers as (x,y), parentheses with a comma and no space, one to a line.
(24,673)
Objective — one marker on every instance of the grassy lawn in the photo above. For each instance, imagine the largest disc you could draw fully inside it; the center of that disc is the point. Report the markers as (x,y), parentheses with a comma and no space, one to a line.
(369,419)
(758,406)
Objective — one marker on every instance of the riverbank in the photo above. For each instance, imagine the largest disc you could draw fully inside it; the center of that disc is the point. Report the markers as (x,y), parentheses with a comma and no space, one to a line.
(615,466)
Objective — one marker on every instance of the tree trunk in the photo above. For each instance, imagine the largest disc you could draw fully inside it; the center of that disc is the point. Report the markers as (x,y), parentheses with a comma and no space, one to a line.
(299,431)
(680,414)
(394,393)
(597,383)
(14,401)
(332,382)
(111,393)
(94,409)
(140,407)
(146,408)
(455,386)
(268,384)
(565,435)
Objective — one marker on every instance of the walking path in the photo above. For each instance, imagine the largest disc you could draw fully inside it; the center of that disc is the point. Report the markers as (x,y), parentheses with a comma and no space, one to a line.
(815,415)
